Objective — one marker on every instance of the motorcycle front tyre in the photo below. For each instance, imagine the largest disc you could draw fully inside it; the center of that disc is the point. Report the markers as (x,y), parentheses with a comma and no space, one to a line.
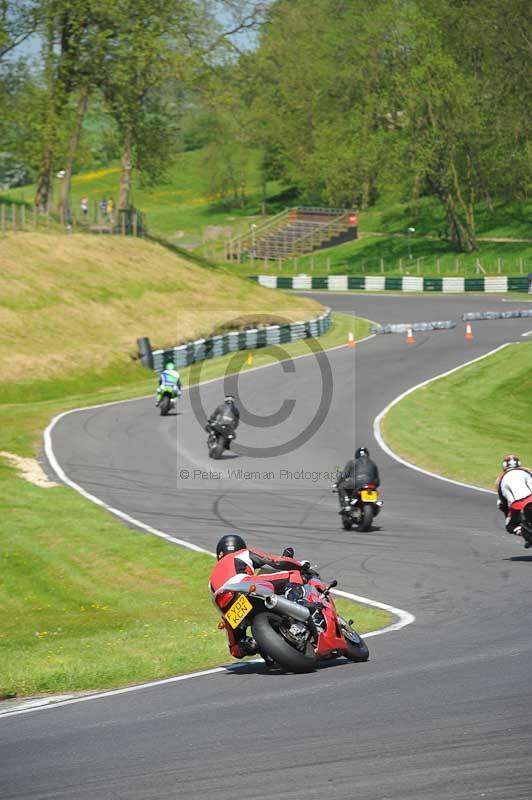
(265,628)
(357,649)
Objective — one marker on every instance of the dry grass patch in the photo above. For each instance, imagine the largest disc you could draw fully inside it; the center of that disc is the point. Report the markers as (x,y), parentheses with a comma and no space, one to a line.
(84,300)
(30,469)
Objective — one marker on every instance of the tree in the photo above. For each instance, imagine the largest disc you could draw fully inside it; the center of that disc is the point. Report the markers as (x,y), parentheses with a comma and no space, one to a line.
(75,35)
(18,21)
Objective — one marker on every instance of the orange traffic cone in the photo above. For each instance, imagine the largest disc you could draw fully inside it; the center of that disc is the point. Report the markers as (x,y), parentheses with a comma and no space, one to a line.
(468,332)
(409,336)
(350,339)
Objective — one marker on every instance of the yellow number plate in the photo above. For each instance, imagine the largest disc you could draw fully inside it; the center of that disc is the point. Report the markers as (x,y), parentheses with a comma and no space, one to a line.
(238,611)
(368,496)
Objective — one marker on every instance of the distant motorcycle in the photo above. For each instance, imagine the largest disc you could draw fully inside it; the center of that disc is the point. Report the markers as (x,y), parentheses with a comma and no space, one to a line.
(362,508)
(168,398)
(219,438)
(294,629)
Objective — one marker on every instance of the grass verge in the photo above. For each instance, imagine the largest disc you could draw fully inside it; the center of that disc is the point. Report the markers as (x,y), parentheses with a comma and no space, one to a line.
(466,422)
(88,603)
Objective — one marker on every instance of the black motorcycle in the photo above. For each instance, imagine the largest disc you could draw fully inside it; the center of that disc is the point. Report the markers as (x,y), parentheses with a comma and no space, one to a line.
(361,509)
(219,438)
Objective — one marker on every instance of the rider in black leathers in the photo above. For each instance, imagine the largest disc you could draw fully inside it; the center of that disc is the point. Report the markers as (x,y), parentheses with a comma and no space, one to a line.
(226,413)
(358,472)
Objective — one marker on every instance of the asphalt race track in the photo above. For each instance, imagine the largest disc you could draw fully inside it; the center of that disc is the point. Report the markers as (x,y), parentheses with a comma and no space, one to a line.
(443,709)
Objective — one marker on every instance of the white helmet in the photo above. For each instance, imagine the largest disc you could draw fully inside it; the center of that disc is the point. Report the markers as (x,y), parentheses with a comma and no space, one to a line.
(510,462)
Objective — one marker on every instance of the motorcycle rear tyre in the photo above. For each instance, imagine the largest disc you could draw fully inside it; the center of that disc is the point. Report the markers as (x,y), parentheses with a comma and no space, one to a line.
(165,405)
(366,518)
(277,648)
(218,449)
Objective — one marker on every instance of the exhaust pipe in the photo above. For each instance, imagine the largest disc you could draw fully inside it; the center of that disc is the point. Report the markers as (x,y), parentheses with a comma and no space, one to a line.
(284,606)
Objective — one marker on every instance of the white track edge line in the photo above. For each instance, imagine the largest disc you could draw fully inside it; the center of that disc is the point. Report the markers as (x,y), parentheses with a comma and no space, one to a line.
(404,618)
(388,450)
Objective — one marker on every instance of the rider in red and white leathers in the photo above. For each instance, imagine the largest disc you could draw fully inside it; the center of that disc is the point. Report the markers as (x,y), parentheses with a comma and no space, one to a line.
(234,559)
(514,486)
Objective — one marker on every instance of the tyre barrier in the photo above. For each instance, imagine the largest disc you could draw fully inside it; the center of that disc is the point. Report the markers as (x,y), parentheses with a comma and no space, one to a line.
(407,283)
(145,353)
(253,339)
(478,315)
(404,327)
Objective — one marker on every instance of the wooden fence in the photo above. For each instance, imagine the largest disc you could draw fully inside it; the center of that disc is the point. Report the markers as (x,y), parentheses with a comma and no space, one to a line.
(18,218)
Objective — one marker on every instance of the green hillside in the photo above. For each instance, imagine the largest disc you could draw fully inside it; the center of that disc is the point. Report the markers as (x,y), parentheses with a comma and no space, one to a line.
(182,209)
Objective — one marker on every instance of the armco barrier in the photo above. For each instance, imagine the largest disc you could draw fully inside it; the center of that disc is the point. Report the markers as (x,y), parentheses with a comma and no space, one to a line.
(407,283)
(252,339)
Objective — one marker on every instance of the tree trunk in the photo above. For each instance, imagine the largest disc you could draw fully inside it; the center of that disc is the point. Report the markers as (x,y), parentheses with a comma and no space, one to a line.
(125,171)
(460,234)
(43,194)
(64,203)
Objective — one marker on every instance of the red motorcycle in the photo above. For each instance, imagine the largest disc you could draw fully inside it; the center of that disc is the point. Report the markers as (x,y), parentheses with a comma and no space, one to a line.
(293,627)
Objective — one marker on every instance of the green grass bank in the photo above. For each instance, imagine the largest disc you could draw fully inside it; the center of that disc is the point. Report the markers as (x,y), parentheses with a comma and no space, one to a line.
(462,425)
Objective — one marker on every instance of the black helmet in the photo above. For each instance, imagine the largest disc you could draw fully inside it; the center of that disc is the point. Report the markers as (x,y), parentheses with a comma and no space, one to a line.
(229,398)
(229,543)
(362,452)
